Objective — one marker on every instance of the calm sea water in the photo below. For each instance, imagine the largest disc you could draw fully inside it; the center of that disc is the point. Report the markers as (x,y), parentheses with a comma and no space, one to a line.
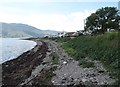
(13,47)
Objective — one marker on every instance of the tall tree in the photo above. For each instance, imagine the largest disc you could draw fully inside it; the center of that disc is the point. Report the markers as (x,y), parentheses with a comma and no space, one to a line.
(103,19)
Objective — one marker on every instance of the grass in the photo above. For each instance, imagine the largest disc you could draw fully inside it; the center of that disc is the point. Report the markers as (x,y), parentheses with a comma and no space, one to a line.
(104,48)
(55,60)
(86,64)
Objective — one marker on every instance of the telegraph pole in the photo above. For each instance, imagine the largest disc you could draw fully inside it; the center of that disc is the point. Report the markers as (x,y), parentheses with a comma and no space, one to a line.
(119,12)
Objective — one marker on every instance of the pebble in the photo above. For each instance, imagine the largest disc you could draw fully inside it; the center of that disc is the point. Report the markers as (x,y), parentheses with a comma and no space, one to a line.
(64,62)
(84,80)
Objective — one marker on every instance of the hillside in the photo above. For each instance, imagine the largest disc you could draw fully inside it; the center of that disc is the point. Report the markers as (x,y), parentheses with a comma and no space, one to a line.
(14,30)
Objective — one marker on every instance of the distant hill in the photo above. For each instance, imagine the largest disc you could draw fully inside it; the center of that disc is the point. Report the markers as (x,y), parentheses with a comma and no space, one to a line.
(51,32)
(17,30)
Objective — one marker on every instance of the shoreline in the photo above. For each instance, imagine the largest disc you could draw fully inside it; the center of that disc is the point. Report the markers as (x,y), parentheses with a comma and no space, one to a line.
(23,49)
(48,64)
(15,71)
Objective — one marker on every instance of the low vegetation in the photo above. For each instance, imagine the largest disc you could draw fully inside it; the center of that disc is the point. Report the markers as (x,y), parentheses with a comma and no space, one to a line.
(86,64)
(55,59)
(104,47)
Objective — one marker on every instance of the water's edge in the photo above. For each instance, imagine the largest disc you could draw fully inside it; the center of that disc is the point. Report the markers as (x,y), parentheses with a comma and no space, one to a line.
(27,45)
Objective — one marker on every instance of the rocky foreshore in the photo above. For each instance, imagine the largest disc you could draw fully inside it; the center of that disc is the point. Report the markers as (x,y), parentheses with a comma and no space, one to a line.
(17,71)
(48,64)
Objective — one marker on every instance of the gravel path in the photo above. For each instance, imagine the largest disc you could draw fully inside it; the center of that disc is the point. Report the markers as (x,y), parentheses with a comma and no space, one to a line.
(69,72)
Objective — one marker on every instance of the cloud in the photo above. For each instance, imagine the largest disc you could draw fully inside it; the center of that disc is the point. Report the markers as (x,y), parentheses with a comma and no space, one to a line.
(68,22)
(36,1)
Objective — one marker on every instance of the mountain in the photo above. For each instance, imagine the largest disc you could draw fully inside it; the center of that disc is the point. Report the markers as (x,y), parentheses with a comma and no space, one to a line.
(17,30)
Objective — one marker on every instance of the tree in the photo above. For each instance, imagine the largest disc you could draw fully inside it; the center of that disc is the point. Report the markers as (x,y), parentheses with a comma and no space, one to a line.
(103,19)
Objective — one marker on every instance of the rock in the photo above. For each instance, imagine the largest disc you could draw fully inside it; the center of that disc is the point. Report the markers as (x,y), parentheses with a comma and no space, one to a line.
(101,71)
(6,65)
(49,50)
(63,80)
(84,80)
(90,75)
(65,62)
(47,68)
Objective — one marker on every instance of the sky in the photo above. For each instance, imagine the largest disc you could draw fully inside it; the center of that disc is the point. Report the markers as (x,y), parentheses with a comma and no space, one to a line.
(60,15)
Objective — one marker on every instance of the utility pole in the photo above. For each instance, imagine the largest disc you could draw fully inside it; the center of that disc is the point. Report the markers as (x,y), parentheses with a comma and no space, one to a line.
(84,24)
(119,12)
(119,7)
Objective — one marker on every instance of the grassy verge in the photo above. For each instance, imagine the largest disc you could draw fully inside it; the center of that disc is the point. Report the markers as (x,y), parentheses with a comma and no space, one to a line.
(104,48)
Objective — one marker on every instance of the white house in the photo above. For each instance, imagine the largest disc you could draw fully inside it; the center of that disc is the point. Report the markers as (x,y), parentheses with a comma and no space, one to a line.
(61,34)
